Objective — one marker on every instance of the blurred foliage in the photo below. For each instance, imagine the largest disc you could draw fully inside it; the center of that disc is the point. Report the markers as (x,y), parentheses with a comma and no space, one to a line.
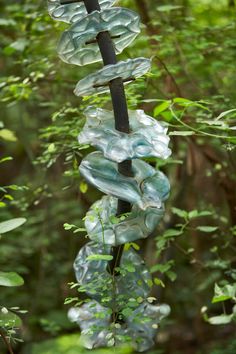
(192,88)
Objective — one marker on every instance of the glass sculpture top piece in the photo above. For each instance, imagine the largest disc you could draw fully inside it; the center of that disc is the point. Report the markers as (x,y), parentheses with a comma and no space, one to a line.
(147,137)
(99,82)
(147,188)
(102,227)
(72,12)
(78,44)
(139,328)
(98,282)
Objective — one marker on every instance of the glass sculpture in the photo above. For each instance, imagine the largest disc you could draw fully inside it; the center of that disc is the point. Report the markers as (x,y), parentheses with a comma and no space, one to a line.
(128,281)
(99,81)
(94,275)
(147,137)
(78,44)
(139,328)
(147,188)
(73,12)
(103,228)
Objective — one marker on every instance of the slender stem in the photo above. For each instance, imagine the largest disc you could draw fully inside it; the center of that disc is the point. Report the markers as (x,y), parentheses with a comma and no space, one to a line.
(121,115)
(8,345)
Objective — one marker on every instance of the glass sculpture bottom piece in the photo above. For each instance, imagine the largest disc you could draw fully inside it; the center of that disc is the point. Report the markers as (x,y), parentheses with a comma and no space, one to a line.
(139,329)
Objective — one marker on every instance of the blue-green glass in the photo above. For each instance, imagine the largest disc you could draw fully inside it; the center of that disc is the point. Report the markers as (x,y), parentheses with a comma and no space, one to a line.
(85,317)
(98,282)
(147,188)
(78,44)
(72,12)
(99,81)
(147,136)
(103,227)
(139,328)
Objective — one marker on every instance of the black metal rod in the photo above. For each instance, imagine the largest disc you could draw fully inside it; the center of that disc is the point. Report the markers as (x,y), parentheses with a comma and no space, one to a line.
(66,2)
(121,115)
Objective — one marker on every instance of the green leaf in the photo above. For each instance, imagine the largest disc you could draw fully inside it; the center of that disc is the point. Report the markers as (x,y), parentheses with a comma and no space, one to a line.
(182,133)
(172,233)
(207,228)
(10,279)
(7,22)
(220,320)
(182,101)
(193,214)
(161,108)
(223,114)
(204,213)
(9,320)
(181,213)
(83,187)
(127,312)
(167,8)
(99,257)
(11,224)
(7,158)
(158,282)
(51,148)
(68,226)
(224,293)
(7,135)
(129,267)
(171,275)
(188,103)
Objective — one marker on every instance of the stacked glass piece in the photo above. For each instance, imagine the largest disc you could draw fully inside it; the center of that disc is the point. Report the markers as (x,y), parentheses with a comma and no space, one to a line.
(146,190)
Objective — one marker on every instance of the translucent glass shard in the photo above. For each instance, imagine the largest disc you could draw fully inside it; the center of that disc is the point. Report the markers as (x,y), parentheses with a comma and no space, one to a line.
(99,81)
(78,44)
(147,137)
(98,282)
(139,328)
(103,227)
(72,12)
(147,188)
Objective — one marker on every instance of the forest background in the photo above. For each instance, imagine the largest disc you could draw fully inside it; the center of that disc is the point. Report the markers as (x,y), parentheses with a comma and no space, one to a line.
(191,87)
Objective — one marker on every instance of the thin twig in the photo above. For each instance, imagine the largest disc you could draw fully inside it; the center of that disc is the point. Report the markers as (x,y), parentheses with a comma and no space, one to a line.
(8,345)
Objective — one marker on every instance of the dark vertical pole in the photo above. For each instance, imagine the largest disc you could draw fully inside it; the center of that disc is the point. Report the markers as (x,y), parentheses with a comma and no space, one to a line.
(120,113)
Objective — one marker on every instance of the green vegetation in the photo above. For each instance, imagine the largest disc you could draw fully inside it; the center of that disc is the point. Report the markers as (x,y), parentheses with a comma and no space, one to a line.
(192,254)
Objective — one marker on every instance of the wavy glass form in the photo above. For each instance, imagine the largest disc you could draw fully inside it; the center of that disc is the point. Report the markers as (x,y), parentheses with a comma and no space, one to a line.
(78,44)
(140,328)
(147,138)
(97,281)
(147,188)
(98,82)
(102,227)
(71,13)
